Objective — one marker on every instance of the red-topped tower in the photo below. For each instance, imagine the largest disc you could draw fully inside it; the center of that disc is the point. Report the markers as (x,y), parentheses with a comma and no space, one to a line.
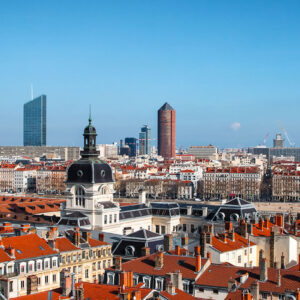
(166,131)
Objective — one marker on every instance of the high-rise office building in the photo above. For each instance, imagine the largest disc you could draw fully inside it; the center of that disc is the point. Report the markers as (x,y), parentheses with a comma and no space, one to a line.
(166,131)
(131,142)
(145,140)
(34,122)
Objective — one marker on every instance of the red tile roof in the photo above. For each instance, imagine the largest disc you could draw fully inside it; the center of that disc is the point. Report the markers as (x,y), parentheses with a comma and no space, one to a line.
(230,245)
(28,246)
(97,243)
(4,256)
(64,245)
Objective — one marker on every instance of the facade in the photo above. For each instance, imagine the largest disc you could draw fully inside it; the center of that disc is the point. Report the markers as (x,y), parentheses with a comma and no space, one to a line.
(166,131)
(35,122)
(145,140)
(65,153)
(7,177)
(33,266)
(221,183)
(131,142)
(208,152)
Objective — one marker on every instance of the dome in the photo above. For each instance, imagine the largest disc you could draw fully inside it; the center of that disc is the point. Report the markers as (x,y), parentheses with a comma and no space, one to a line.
(89,171)
(90,129)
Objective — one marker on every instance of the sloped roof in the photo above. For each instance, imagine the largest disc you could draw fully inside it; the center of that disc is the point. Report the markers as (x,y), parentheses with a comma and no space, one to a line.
(143,234)
(166,106)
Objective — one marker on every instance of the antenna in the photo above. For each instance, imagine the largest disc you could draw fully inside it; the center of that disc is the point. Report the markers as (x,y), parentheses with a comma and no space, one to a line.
(90,115)
(31,91)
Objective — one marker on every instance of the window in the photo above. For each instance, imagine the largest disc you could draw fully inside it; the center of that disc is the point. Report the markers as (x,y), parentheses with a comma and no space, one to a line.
(30,267)
(63,260)
(129,250)
(110,219)
(69,258)
(184,227)
(105,219)
(74,270)
(1,271)
(104,264)
(79,269)
(22,269)
(163,229)
(46,279)
(159,284)
(79,257)
(54,263)
(94,266)
(80,196)
(46,264)
(115,218)
(245,251)
(215,291)
(157,228)
(99,265)
(38,265)
(186,285)
(22,284)
(147,282)
(110,278)
(54,278)
(86,273)
(250,250)
(83,255)
(11,287)
(239,259)
(74,258)
(39,280)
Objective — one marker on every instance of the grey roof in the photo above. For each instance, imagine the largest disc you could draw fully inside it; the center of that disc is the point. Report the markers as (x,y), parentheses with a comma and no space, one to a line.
(238,201)
(144,233)
(166,106)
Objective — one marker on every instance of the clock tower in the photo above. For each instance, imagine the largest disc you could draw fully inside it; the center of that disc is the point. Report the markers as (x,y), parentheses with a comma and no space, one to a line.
(90,186)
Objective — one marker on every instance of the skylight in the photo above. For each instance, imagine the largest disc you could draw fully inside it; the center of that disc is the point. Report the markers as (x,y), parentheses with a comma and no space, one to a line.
(41,248)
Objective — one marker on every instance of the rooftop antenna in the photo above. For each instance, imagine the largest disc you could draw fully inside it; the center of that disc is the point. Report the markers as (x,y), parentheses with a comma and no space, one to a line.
(31,91)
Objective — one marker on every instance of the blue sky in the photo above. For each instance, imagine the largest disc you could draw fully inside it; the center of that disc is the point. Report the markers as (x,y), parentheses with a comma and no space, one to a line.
(216,62)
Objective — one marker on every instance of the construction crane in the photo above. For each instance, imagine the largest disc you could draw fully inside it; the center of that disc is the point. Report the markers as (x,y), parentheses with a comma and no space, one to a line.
(286,134)
(265,139)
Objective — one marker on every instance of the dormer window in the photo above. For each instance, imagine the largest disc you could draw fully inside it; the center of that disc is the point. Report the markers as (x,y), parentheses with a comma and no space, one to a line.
(129,250)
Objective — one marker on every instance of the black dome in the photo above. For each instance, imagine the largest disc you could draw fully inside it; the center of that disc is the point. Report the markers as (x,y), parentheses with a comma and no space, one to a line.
(89,129)
(89,171)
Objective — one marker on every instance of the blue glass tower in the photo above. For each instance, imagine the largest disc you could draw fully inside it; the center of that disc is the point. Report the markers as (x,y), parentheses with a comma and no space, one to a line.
(145,140)
(34,122)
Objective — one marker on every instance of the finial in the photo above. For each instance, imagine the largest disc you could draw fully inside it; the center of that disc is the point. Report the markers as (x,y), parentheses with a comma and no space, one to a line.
(90,117)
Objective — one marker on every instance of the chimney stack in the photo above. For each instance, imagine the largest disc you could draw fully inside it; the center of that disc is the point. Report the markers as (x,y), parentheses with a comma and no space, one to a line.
(145,251)
(198,263)
(126,279)
(159,260)
(101,237)
(282,261)
(184,240)
(254,289)
(118,263)
(203,244)
(177,250)
(168,242)
(278,278)
(228,226)
(77,237)
(263,270)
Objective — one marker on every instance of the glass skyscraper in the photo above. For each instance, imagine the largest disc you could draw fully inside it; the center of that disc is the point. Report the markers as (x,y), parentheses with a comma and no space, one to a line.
(34,122)
(145,140)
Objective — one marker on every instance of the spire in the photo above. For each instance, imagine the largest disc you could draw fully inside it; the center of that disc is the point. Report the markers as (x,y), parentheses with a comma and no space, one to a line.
(90,117)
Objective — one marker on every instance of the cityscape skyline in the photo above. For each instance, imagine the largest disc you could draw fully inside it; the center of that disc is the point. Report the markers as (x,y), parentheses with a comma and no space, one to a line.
(229,69)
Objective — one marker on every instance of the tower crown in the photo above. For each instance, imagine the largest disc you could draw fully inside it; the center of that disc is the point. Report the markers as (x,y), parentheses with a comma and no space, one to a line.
(89,146)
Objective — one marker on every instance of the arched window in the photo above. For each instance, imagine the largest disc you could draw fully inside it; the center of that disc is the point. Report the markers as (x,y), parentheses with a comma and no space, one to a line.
(79,196)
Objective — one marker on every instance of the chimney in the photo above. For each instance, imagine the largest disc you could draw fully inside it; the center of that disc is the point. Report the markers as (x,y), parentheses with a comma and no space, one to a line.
(279,220)
(231,235)
(66,283)
(11,251)
(101,237)
(261,255)
(118,263)
(126,279)
(137,295)
(168,242)
(278,278)
(209,256)
(197,251)
(198,263)
(203,244)
(223,237)
(77,237)
(228,226)
(243,227)
(231,285)
(159,260)
(263,270)
(145,251)
(86,235)
(177,250)
(80,293)
(246,295)
(171,288)
(254,289)
(266,223)
(250,229)
(282,261)
(52,244)
(184,240)
(177,280)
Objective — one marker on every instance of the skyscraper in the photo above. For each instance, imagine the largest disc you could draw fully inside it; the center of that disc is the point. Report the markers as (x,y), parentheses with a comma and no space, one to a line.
(34,122)
(166,131)
(145,140)
(131,142)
